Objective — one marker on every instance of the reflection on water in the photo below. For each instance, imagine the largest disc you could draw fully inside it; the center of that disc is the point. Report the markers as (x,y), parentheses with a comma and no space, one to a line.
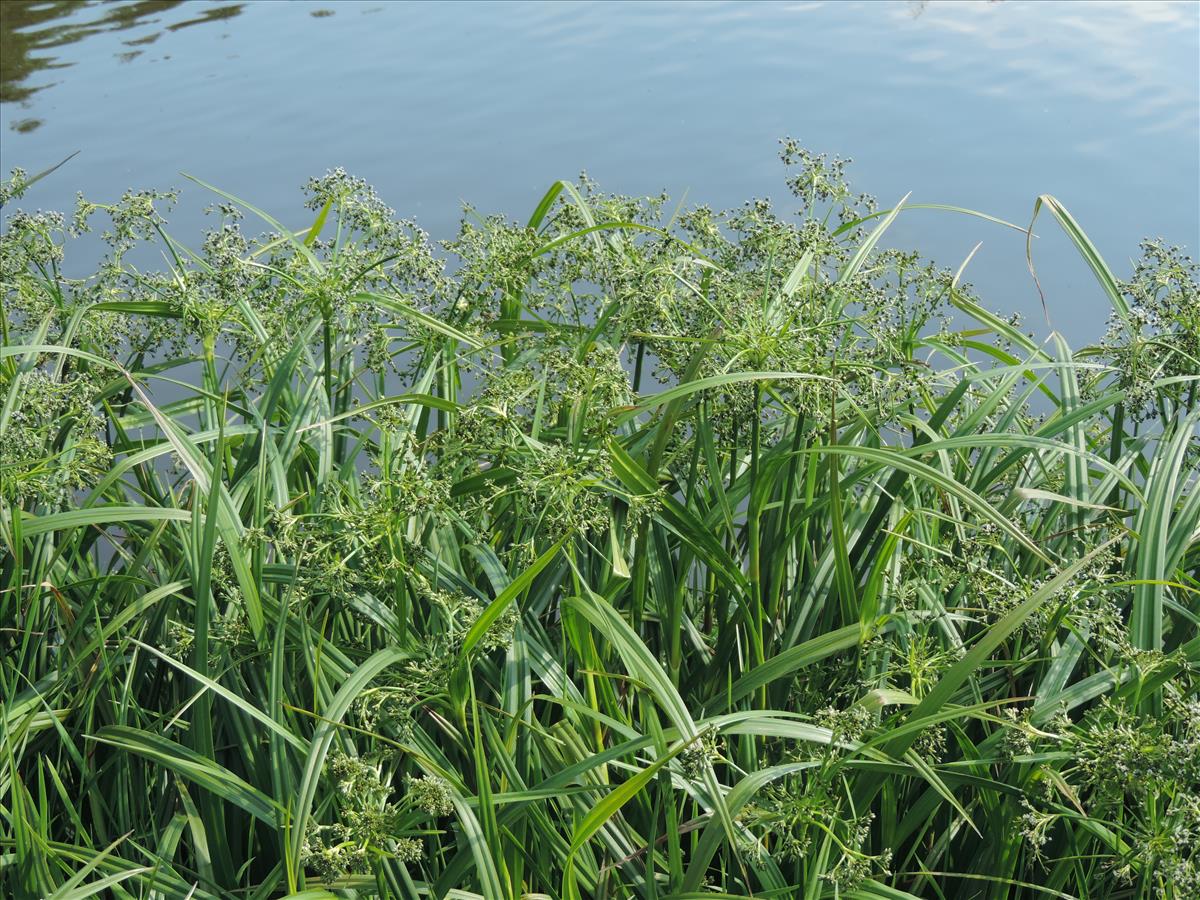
(33,31)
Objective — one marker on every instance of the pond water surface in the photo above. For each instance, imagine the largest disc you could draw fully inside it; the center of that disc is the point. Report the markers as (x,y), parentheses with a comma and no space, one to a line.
(977,104)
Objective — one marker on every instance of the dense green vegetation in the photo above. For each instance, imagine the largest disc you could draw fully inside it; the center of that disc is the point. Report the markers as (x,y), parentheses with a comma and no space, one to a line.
(628,552)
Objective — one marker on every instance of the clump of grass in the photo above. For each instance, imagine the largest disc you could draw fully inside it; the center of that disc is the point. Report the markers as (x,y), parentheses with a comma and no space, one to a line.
(616,553)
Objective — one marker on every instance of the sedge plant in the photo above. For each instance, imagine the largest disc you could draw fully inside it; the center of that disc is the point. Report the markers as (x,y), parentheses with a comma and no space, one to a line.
(622,552)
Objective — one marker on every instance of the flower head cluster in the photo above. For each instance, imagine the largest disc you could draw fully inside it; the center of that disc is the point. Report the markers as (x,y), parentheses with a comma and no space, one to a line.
(431,794)
(54,444)
(368,829)
(1158,338)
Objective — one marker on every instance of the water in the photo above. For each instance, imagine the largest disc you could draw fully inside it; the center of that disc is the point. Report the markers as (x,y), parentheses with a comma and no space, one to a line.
(978,104)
